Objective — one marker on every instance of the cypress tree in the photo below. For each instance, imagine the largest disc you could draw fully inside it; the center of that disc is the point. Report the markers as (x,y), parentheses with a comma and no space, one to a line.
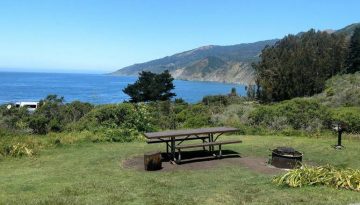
(299,65)
(353,61)
(151,87)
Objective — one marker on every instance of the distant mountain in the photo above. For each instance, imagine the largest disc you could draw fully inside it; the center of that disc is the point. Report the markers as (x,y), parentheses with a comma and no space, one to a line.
(348,30)
(207,63)
(230,64)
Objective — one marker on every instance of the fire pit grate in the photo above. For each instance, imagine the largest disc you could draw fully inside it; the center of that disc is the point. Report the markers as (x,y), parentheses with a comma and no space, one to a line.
(286,157)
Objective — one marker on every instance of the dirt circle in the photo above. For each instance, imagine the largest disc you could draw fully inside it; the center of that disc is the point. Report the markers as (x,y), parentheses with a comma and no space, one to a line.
(255,164)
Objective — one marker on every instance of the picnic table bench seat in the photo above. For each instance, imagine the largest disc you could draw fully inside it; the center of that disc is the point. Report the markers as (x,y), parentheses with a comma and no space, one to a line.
(207,144)
(218,143)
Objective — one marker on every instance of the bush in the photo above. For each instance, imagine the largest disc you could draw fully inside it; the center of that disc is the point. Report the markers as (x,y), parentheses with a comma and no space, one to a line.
(39,124)
(125,115)
(348,115)
(305,114)
(51,115)
(215,100)
(341,90)
(194,116)
(13,118)
(222,100)
(121,135)
(233,115)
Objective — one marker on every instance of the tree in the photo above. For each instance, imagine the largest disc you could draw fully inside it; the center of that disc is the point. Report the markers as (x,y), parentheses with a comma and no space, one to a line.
(353,60)
(151,87)
(299,65)
(233,92)
(52,109)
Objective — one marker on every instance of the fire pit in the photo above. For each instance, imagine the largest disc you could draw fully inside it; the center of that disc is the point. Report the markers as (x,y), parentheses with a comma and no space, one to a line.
(286,157)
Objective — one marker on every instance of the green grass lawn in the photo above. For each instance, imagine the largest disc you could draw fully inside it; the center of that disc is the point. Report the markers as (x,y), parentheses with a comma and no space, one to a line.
(91,173)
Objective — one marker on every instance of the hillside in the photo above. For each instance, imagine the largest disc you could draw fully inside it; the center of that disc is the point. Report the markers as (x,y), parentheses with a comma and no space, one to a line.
(341,90)
(230,64)
(348,30)
(207,63)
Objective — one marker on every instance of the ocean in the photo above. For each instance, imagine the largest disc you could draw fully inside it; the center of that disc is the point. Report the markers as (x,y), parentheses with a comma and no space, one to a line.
(94,88)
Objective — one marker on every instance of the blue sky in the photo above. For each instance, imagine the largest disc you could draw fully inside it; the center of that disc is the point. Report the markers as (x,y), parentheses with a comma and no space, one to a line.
(99,36)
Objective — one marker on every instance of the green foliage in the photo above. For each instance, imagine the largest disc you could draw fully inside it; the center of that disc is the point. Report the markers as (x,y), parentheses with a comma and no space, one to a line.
(51,115)
(299,65)
(341,90)
(353,60)
(151,87)
(323,175)
(305,114)
(125,115)
(234,115)
(120,135)
(13,118)
(39,124)
(348,115)
(251,91)
(233,92)
(179,101)
(75,110)
(195,116)
(222,100)
(215,100)
(168,115)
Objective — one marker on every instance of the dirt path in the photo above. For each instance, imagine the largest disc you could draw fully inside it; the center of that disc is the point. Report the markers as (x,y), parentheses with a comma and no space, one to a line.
(256,164)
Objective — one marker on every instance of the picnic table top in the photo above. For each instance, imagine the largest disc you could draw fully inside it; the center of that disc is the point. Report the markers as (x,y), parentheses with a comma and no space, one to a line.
(177,133)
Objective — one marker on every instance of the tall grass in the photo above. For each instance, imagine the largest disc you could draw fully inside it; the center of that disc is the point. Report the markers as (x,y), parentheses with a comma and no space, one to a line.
(322,175)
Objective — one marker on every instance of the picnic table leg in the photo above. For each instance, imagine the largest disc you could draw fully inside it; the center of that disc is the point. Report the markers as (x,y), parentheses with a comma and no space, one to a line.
(209,141)
(173,147)
(167,148)
(220,154)
(212,140)
(179,156)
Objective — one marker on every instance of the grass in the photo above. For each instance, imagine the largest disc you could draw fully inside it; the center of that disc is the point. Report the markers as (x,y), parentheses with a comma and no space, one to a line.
(91,173)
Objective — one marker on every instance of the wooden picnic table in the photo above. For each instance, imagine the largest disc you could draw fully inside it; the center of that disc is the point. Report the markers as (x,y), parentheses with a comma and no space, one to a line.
(208,136)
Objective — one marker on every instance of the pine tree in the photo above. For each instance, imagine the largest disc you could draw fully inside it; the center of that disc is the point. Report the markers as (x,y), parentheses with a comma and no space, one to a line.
(151,87)
(353,61)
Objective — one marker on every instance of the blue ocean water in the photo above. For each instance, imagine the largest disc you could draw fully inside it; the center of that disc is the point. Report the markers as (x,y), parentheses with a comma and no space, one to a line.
(93,88)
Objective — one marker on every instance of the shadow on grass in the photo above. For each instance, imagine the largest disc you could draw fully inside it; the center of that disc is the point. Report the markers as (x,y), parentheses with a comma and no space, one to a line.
(200,156)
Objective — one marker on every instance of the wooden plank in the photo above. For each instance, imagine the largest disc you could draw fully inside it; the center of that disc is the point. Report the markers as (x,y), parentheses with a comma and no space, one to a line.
(177,133)
(208,144)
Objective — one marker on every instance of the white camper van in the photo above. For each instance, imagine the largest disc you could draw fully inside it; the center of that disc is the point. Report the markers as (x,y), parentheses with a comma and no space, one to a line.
(30,106)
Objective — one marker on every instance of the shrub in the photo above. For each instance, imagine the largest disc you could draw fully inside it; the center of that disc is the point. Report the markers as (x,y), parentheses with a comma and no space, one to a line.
(215,100)
(341,90)
(194,116)
(59,114)
(121,135)
(14,118)
(179,101)
(75,110)
(305,114)
(39,124)
(348,115)
(233,115)
(125,115)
